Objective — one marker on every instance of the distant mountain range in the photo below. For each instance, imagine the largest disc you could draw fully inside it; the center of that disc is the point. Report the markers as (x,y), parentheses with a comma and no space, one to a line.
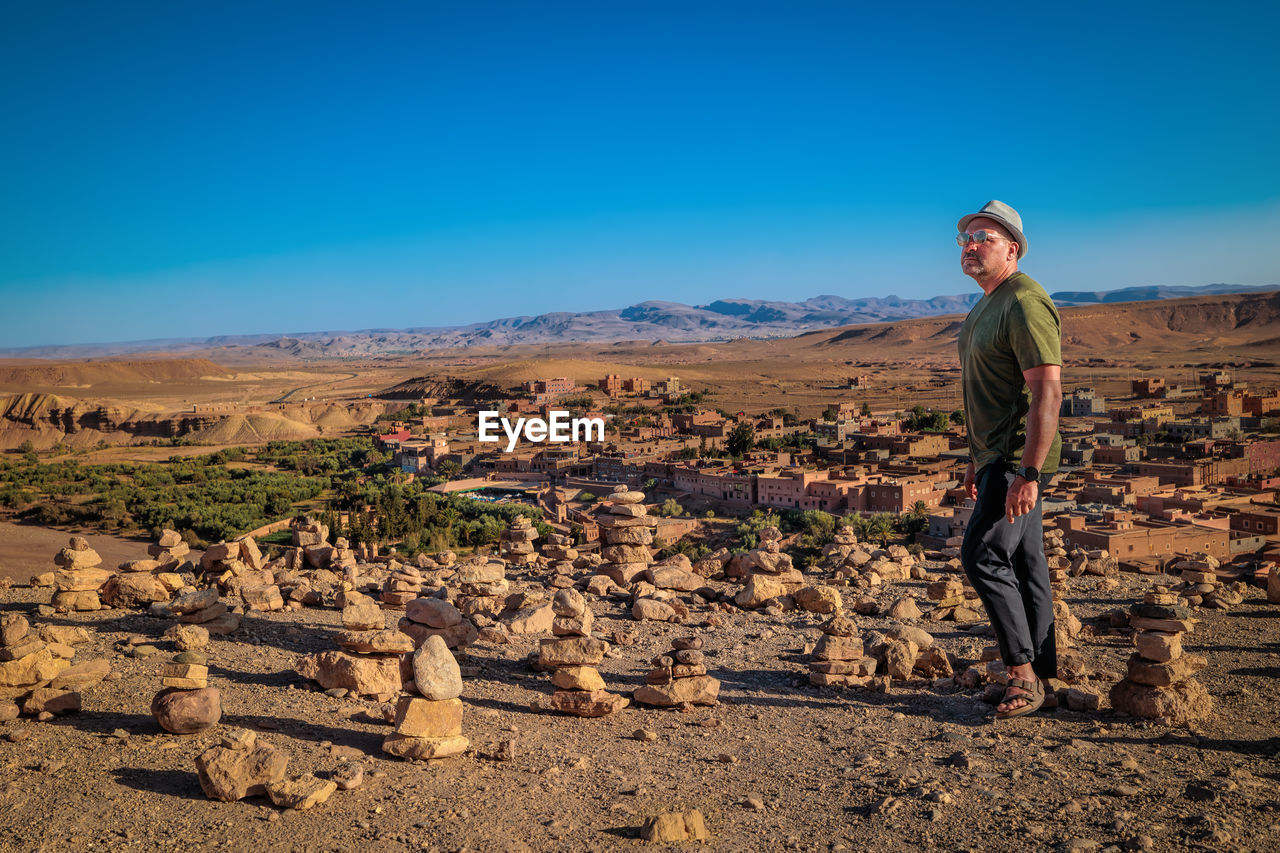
(723,319)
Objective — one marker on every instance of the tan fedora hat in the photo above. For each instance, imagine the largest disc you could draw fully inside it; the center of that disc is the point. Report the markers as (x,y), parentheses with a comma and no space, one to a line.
(1006,216)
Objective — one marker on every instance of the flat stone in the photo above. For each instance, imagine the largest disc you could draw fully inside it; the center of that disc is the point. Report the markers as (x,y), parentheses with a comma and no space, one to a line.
(424,748)
(192,602)
(583,703)
(392,642)
(653,610)
(571,651)
(699,690)
(1159,646)
(1155,674)
(49,700)
(417,717)
(364,676)
(187,637)
(578,678)
(363,617)
(674,827)
(82,676)
(301,792)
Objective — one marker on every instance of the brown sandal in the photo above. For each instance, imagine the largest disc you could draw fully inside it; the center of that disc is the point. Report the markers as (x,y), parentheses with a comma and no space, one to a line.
(1034,697)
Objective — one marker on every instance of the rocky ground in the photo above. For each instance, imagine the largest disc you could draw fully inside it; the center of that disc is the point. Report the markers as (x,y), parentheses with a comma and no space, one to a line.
(778,764)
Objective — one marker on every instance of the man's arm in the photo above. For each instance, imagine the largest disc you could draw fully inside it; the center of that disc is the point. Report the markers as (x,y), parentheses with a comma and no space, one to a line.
(1045,382)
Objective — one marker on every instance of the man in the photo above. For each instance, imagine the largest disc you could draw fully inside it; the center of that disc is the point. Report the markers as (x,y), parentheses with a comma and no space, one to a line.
(1011,365)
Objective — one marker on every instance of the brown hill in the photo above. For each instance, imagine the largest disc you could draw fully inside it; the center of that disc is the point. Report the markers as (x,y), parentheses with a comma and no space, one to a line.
(43,374)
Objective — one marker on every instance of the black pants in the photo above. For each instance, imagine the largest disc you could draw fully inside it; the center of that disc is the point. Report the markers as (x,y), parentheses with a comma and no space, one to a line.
(1006,565)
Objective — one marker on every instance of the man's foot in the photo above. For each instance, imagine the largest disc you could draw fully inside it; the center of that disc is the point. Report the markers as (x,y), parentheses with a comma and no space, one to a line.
(1014,698)
(1020,697)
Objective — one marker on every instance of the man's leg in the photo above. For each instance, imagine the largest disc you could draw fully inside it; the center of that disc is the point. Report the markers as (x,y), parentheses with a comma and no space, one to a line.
(1032,572)
(990,548)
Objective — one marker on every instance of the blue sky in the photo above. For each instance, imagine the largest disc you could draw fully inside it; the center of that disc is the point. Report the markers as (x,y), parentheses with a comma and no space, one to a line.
(190,169)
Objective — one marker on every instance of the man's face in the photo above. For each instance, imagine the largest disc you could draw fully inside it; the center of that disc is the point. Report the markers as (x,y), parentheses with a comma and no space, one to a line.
(980,259)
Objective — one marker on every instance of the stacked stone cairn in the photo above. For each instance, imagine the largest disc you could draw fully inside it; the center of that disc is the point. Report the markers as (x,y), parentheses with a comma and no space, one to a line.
(1055,552)
(402,585)
(430,725)
(483,589)
(516,542)
(627,532)
(580,690)
(1160,684)
(954,601)
(37,677)
(79,578)
(186,704)
(141,583)
(1201,586)
(679,678)
(839,659)
(839,549)
(369,660)
(1096,562)
(560,556)
(241,572)
(769,572)
(201,607)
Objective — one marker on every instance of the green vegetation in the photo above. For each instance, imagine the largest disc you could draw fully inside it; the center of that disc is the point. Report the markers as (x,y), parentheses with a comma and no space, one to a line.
(197,494)
(920,420)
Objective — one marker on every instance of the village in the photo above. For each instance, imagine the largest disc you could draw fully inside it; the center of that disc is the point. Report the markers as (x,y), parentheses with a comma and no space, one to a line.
(1165,472)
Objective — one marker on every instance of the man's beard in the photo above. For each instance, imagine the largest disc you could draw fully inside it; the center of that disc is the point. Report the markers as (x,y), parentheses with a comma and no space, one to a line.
(973,266)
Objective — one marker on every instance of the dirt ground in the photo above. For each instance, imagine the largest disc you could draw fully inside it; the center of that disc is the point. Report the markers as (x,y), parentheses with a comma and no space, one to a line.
(27,550)
(777,765)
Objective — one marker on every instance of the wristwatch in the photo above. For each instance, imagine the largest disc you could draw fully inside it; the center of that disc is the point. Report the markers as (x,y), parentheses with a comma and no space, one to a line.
(1031,475)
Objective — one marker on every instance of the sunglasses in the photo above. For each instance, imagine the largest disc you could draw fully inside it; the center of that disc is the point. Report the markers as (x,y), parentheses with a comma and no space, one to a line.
(963,238)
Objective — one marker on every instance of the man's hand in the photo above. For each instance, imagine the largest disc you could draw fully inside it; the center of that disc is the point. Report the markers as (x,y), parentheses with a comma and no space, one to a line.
(970,483)
(1021,498)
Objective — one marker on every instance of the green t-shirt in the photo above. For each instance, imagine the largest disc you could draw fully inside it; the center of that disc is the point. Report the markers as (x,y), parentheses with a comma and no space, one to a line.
(1012,329)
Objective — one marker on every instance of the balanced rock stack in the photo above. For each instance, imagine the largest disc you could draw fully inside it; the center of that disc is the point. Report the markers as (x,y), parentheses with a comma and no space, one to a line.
(679,677)
(140,583)
(431,616)
(627,531)
(36,674)
(1201,586)
(769,572)
(560,555)
(842,545)
(240,571)
(1160,683)
(579,688)
(1095,562)
(483,588)
(79,579)
(953,601)
(204,608)
(1055,552)
(430,726)
(516,542)
(839,659)
(403,585)
(368,663)
(186,704)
